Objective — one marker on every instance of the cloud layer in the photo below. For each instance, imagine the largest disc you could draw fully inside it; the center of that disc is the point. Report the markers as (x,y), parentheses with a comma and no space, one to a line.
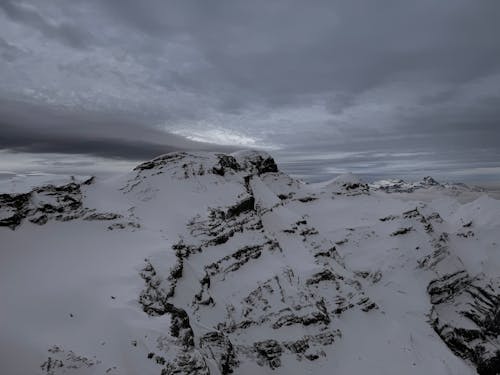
(393,86)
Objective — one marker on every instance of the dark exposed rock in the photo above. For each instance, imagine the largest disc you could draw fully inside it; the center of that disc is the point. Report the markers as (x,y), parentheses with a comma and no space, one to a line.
(356,186)
(259,162)
(329,253)
(245,205)
(397,186)
(89,181)
(220,226)
(490,366)
(388,218)
(180,326)
(352,189)
(160,360)
(160,161)
(411,214)
(297,347)
(219,347)
(366,304)
(187,362)
(316,317)
(61,360)
(226,162)
(234,261)
(185,165)
(401,186)
(416,214)
(445,288)
(51,365)
(49,202)
(308,232)
(154,300)
(467,234)
(17,206)
(466,314)
(374,276)
(429,181)
(52,202)
(435,217)
(325,275)
(307,199)
(130,225)
(440,253)
(401,231)
(309,346)
(467,224)
(270,352)
(102,216)
(40,220)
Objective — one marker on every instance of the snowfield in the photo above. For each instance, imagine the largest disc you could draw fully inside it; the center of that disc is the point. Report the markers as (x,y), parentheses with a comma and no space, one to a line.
(205,263)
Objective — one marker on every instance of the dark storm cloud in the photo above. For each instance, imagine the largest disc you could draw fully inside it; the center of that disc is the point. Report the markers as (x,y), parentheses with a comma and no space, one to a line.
(378,79)
(34,129)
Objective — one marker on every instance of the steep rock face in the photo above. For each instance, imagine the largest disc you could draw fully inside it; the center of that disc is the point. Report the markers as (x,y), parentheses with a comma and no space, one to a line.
(297,302)
(466,314)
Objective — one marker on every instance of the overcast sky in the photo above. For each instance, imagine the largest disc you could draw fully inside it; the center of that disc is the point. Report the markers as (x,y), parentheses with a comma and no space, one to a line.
(379,88)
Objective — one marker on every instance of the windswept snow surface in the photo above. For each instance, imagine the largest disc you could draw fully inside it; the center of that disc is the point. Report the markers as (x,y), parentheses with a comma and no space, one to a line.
(203,263)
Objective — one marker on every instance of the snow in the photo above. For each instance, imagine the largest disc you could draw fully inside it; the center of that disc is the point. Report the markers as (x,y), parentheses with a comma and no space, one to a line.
(51,272)
(76,284)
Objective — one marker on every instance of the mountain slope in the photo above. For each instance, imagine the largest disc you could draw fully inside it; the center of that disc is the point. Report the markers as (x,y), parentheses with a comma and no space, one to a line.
(202,263)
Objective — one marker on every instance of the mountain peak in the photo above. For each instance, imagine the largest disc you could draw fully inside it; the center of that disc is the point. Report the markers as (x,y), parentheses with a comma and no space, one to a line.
(189,164)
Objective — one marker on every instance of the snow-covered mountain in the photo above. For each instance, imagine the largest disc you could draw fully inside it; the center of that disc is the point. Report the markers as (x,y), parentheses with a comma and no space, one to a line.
(203,263)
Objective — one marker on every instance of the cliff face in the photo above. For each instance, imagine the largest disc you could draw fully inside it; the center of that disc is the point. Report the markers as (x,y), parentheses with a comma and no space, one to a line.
(203,263)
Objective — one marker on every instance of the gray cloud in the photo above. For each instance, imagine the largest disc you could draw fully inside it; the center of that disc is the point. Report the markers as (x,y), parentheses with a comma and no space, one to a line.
(34,129)
(415,78)
(287,49)
(64,32)
(8,51)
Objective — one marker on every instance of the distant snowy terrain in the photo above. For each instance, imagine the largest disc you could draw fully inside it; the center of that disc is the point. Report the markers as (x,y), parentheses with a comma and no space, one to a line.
(205,263)
(24,183)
